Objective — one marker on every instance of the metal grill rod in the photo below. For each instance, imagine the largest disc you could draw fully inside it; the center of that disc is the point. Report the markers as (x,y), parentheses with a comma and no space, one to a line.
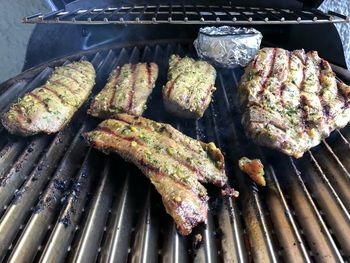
(187,14)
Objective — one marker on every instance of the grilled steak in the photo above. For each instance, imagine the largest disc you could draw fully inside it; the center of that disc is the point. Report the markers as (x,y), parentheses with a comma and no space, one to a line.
(175,163)
(292,100)
(50,107)
(126,91)
(190,87)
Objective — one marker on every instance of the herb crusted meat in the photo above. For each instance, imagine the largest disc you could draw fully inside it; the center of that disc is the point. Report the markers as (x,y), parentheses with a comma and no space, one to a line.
(50,107)
(175,163)
(126,91)
(292,100)
(190,87)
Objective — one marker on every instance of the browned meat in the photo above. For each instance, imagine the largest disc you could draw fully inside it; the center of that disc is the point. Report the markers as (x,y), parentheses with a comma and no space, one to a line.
(50,107)
(126,91)
(292,100)
(175,163)
(190,87)
(254,168)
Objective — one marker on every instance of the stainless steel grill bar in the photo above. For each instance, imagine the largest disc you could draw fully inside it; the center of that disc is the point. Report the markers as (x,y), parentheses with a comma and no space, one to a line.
(62,234)
(8,155)
(49,204)
(186,14)
(26,197)
(331,205)
(175,247)
(18,173)
(259,236)
(146,237)
(118,237)
(86,249)
(289,234)
(310,218)
(232,245)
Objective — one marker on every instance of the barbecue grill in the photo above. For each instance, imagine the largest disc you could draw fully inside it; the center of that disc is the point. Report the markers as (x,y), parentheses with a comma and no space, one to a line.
(63,201)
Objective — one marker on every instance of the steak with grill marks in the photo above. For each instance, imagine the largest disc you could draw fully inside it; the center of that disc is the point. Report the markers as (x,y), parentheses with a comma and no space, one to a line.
(291,101)
(175,163)
(50,107)
(126,91)
(190,87)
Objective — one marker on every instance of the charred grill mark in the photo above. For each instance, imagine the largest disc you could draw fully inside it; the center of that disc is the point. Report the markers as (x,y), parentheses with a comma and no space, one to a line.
(200,175)
(146,127)
(149,73)
(151,168)
(37,98)
(342,97)
(115,134)
(303,100)
(21,116)
(207,96)
(60,83)
(302,60)
(325,107)
(134,71)
(72,67)
(70,78)
(119,118)
(281,89)
(171,85)
(326,111)
(148,167)
(255,61)
(54,93)
(272,64)
(115,87)
(289,54)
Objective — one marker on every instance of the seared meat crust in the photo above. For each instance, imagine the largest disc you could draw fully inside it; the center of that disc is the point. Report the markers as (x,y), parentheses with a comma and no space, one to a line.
(126,91)
(254,168)
(190,87)
(291,100)
(175,163)
(50,107)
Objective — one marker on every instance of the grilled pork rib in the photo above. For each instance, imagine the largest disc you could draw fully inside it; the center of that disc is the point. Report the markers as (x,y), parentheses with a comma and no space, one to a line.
(292,100)
(175,163)
(50,107)
(126,91)
(190,87)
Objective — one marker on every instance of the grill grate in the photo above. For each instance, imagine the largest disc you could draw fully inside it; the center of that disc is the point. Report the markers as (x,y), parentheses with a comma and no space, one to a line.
(61,200)
(187,14)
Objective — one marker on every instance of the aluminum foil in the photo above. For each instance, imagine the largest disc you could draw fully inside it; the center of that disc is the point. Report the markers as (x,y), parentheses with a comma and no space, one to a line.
(228,46)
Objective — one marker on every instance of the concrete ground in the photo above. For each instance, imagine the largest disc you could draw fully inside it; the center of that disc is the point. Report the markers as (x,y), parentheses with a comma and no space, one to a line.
(14,35)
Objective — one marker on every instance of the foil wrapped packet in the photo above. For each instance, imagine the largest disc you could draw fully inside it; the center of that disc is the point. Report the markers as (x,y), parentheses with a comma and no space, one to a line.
(227,46)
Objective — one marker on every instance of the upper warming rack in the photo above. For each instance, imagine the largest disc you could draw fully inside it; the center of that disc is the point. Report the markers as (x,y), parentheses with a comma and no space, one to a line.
(186,14)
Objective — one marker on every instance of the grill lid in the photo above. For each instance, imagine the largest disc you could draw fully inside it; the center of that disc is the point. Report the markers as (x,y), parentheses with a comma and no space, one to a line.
(60,200)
